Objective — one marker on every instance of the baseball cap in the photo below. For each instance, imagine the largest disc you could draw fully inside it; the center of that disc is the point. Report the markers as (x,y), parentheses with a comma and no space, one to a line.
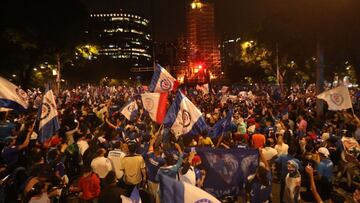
(324,151)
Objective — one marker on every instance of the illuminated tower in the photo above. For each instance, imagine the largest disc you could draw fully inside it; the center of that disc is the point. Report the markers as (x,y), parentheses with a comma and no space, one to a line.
(201,39)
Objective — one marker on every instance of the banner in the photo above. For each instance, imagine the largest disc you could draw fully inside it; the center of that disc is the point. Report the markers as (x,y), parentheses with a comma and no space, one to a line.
(227,170)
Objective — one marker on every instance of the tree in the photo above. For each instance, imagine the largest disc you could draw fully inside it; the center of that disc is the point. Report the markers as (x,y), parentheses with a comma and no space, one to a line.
(33,30)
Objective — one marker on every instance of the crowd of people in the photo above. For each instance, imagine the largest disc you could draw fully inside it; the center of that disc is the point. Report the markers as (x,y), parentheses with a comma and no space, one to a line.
(98,155)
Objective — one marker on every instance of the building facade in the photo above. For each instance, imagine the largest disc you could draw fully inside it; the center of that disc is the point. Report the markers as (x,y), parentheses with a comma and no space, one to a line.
(202,46)
(122,36)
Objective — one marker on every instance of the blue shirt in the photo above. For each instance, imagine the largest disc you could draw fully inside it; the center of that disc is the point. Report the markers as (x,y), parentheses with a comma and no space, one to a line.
(260,193)
(325,168)
(153,163)
(10,155)
(5,129)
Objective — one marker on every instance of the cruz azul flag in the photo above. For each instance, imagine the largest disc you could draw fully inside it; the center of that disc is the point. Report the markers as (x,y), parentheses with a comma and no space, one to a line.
(134,197)
(162,81)
(183,118)
(12,97)
(48,116)
(130,110)
(222,125)
(204,88)
(175,191)
(227,170)
(155,105)
(337,98)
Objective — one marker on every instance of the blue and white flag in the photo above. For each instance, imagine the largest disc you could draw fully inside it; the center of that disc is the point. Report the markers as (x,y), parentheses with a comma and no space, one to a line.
(12,97)
(222,125)
(48,116)
(134,197)
(183,118)
(175,191)
(130,110)
(162,81)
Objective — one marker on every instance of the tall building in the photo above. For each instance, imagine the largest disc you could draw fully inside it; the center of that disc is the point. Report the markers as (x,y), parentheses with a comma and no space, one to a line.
(122,36)
(203,50)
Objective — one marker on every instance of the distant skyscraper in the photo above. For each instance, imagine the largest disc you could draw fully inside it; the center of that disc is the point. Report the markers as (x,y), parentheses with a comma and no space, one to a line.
(122,36)
(201,40)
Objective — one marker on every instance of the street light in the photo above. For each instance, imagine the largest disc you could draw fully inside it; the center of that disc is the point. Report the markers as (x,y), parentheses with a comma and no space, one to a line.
(13,75)
(35,69)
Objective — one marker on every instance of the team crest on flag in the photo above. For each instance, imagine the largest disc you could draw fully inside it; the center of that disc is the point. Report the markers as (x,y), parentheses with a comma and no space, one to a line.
(22,95)
(148,104)
(166,85)
(155,105)
(186,118)
(338,99)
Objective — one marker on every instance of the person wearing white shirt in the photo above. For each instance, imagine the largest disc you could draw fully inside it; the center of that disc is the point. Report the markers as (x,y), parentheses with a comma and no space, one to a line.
(269,152)
(100,164)
(115,157)
(281,147)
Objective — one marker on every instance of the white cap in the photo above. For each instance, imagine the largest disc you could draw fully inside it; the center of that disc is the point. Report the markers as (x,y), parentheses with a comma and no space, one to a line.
(324,151)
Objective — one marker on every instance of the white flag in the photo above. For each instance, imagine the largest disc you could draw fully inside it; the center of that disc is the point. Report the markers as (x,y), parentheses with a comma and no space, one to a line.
(337,98)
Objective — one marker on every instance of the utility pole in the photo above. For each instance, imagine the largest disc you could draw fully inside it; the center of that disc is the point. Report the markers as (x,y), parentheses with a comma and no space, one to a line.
(319,79)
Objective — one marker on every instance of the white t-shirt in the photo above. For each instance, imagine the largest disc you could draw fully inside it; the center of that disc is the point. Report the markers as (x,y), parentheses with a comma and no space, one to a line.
(115,157)
(282,149)
(83,146)
(189,176)
(101,166)
(269,153)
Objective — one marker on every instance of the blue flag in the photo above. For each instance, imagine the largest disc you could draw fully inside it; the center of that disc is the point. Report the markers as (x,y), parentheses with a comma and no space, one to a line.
(175,191)
(48,116)
(222,125)
(227,170)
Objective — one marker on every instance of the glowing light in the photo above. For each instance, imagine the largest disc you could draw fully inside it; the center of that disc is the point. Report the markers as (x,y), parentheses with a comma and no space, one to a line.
(42,67)
(35,69)
(13,75)
(54,72)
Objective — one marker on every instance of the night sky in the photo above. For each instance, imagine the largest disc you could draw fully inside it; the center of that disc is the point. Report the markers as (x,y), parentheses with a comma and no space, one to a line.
(239,17)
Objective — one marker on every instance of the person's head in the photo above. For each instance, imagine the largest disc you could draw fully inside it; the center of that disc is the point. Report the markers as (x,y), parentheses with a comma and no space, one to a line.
(269,142)
(261,174)
(86,171)
(10,141)
(169,159)
(292,166)
(323,153)
(132,146)
(100,152)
